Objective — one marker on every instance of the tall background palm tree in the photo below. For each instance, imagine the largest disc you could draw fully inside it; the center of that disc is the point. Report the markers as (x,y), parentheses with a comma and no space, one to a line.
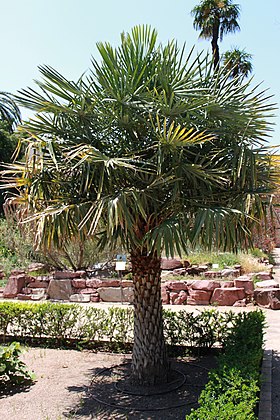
(238,62)
(153,152)
(214,19)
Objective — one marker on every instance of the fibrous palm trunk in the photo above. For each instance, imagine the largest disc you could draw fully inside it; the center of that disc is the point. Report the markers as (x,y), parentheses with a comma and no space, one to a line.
(215,46)
(149,359)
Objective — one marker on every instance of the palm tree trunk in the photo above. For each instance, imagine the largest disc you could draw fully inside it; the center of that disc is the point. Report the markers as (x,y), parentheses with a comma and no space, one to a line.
(149,360)
(215,46)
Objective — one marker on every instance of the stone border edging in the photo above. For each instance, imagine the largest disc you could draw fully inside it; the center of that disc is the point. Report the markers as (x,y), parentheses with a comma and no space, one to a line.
(265,404)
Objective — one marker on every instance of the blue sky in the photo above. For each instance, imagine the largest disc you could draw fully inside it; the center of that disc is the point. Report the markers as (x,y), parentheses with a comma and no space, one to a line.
(63,34)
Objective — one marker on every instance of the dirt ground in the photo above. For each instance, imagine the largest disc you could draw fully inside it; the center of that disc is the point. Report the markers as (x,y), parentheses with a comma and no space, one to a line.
(81,385)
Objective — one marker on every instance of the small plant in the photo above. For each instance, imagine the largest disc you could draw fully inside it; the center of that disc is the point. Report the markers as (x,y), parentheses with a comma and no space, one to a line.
(13,372)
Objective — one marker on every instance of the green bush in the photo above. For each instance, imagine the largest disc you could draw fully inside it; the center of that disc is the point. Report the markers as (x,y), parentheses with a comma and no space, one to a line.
(61,322)
(13,371)
(232,390)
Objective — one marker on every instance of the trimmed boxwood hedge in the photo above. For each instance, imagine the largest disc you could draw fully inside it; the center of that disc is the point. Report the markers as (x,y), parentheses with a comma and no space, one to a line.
(232,390)
(61,322)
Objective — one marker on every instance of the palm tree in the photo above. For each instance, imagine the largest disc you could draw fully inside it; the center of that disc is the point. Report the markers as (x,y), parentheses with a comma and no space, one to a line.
(150,152)
(238,62)
(214,19)
(9,111)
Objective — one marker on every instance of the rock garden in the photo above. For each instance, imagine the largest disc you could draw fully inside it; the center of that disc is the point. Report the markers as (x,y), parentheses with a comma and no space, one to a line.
(183,283)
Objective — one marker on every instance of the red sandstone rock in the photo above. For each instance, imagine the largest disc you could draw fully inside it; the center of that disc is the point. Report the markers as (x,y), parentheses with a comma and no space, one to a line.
(182,298)
(267,284)
(79,283)
(164,295)
(126,283)
(173,296)
(176,285)
(199,297)
(171,263)
(225,284)
(208,285)
(38,284)
(227,296)
(268,298)
(230,272)
(94,298)
(212,274)
(102,283)
(22,296)
(14,286)
(87,291)
(263,275)
(248,285)
(240,303)
(69,274)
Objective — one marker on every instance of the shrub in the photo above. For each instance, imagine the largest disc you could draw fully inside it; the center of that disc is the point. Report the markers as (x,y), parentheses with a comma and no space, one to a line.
(232,390)
(13,371)
(62,322)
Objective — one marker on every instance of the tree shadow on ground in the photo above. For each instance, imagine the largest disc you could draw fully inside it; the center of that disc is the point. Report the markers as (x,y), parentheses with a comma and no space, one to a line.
(9,390)
(102,399)
(276,385)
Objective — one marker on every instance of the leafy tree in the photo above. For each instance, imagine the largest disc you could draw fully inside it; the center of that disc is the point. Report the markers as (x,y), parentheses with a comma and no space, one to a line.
(238,62)
(214,19)
(9,111)
(152,151)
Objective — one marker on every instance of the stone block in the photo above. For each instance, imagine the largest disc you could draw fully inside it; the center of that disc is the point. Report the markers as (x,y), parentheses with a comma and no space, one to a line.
(240,303)
(79,283)
(268,298)
(38,284)
(69,274)
(263,275)
(26,290)
(126,283)
(227,296)
(165,295)
(267,284)
(225,284)
(22,296)
(38,291)
(116,294)
(173,296)
(94,298)
(171,263)
(36,267)
(211,274)
(208,285)
(97,282)
(14,285)
(79,298)
(176,285)
(42,296)
(87,291)
(182,298)
(60,289)
(230,272)
(247,284)
(199,297)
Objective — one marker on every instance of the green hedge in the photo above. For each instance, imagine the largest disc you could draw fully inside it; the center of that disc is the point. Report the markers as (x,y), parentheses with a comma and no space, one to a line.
(61,322)
(232,390)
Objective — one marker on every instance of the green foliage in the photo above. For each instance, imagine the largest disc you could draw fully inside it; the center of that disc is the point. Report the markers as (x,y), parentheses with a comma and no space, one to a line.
(13,371)
(17,251)
(59,323)
(232,390)
(151,160)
